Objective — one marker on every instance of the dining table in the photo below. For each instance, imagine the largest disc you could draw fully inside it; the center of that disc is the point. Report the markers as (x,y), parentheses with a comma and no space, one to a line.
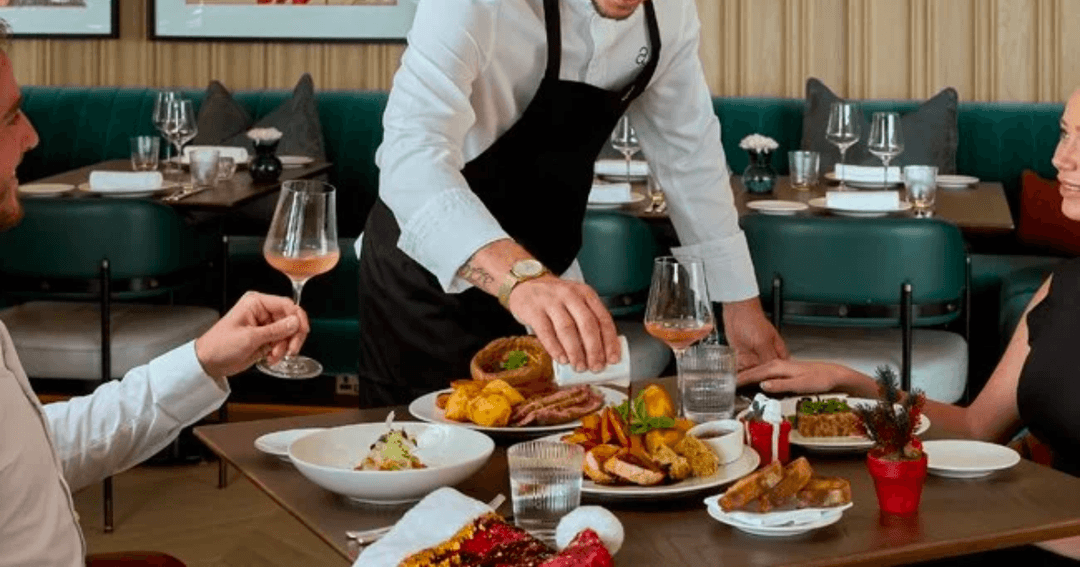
(224,196)
(1023,504)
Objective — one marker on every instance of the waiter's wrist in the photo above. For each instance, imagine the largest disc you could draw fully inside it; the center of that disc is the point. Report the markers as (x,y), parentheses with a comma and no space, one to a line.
(489,267)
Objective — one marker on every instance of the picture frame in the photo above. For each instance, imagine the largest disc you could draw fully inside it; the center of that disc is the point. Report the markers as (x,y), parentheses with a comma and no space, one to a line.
(281,20)
(62,19)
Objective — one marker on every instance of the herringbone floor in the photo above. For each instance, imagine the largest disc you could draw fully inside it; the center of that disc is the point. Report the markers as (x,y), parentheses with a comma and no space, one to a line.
(179,510)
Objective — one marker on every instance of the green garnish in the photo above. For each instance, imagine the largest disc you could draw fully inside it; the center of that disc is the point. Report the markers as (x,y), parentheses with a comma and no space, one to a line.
(829,405)
(515,359)
(641,422)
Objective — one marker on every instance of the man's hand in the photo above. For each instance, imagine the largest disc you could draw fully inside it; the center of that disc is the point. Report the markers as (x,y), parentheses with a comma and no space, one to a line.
(258,325)
(752,336)
(570,321)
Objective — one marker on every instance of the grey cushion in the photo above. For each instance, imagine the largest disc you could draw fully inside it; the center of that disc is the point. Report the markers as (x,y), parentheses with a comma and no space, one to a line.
(220,116)
(930,132)
(298,120)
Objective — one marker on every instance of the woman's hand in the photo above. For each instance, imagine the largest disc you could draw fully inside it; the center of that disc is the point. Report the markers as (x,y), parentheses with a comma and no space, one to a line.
(796,376)
(257,326)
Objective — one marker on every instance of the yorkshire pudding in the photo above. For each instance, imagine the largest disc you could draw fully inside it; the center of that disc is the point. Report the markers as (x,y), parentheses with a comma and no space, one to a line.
(536,376)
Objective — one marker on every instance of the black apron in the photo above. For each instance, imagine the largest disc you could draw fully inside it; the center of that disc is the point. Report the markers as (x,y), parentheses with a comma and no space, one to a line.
(535,180)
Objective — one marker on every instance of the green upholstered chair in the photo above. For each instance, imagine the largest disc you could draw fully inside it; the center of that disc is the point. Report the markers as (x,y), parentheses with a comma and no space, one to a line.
(79,265)
(864,292)
(616,259)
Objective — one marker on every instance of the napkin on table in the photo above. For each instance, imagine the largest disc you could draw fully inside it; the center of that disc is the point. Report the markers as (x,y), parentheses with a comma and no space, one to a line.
(867,173)
(610,193)
(618,167)
(618,373)
(239,155)
(125,180)
(775,519)
(863,200)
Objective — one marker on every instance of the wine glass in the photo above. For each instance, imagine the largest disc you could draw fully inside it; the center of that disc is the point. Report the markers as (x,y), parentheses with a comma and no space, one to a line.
(679,311)
(625,141)
(843,129)
(886,139)
(301,243)
(180,124)
(161,112)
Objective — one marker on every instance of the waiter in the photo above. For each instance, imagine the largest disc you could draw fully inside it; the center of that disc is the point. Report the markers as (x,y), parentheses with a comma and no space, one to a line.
(492,128)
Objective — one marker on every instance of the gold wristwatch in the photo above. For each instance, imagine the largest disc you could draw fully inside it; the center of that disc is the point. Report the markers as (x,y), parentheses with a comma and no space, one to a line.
(521,271)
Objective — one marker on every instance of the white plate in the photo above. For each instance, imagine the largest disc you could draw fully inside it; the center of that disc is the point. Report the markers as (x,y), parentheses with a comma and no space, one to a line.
(277,443)
(827,519)
(167,187)
(958,458)
(423,408)
(846,444)
(634,199)
(819,203)
(831,176)
(956,181)
(774,207)
(45,189)
(730,472)
(295,161)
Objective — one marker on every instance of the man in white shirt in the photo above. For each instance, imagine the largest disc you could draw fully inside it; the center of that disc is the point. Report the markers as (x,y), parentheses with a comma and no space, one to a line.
(493,125)
(47,451)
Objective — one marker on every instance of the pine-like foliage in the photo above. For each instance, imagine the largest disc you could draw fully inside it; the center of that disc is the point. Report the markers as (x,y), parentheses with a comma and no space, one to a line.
(892,429)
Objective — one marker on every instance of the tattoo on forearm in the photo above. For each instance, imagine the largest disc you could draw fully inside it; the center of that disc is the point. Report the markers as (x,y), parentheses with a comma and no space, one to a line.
(477,276)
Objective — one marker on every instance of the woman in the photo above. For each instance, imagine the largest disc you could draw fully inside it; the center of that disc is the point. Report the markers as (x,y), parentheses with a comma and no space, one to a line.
(1035,383)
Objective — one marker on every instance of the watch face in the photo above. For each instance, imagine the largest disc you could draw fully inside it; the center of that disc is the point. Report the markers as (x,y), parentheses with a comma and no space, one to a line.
(528,268)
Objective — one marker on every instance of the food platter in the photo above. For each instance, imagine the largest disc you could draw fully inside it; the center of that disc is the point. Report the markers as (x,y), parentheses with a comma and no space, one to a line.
(424,409)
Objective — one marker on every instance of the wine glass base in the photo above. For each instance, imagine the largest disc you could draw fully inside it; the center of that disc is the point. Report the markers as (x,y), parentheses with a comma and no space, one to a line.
(295,368)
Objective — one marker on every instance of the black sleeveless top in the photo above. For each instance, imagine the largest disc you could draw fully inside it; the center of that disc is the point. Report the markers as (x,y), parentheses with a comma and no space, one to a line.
(1048,395)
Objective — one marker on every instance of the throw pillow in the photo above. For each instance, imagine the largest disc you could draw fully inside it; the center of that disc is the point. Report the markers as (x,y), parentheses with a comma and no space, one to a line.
(1041,221)
(220,117)
(930,132)
(298,120)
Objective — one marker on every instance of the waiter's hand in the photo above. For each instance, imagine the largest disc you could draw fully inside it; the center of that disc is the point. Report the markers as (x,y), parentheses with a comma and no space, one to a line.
(570,321)
(751,334)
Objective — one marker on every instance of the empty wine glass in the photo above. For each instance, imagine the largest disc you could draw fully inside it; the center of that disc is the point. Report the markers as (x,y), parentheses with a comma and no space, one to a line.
(843,129)
(161,112)
(301,243)
(180,124)
(625,141)
(886,139)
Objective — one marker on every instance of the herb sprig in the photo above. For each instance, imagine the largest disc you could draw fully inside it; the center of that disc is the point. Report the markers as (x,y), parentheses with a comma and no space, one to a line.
(515,359)
(818,407)
(639,419)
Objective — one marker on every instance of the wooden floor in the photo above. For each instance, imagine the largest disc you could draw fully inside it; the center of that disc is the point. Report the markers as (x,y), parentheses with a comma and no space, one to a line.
(179,510)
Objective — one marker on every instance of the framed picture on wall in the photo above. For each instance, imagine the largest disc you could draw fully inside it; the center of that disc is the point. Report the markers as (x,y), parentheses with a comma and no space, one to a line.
(281,20)
(62,18)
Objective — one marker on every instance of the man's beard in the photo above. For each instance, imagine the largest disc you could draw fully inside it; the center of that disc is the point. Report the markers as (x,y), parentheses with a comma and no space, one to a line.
(600,11)
(11,211)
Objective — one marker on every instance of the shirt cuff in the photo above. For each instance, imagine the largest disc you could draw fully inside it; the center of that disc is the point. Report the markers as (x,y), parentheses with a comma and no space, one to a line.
(182,388)
(446,232)
(729,271)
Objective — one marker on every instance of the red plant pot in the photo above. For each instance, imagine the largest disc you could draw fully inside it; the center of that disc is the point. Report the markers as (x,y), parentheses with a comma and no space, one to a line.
(761,436)
(898,483)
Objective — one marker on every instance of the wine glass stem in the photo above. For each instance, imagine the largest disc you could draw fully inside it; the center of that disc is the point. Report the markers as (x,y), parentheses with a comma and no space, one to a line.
(843,150)
(886,160)
(297,289)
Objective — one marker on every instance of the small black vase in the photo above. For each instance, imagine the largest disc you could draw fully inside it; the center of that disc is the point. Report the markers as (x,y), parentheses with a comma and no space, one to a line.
(265,166)
(759,177)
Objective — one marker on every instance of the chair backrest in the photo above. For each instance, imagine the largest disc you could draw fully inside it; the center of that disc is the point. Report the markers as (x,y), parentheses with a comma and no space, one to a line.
(616,258)
(67,239)
(849,271)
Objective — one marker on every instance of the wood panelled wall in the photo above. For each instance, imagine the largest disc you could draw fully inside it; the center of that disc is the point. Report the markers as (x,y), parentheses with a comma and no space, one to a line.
(987,49)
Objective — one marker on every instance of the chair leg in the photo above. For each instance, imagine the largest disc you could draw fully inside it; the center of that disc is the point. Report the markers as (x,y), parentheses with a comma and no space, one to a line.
(777,301)
(223,468)
(107,493)
(905,324)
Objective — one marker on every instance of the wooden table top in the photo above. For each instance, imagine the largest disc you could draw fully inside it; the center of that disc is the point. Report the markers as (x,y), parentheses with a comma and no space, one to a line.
(981,209)
(1024,504)
(225,195)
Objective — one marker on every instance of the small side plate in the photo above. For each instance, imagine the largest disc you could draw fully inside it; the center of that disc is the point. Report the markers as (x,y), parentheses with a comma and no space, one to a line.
(45,189)
(776,207)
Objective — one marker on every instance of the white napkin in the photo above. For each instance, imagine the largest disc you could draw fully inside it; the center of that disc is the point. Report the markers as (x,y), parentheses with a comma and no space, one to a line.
(863,200)
(239,155)
(775,519)
(121,181)
(433,520)
(614,167)
(610,193)
(867,173)
(618,373)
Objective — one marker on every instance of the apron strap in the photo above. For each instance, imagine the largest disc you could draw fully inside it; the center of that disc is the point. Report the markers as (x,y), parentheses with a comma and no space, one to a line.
(646,75)
(553,22)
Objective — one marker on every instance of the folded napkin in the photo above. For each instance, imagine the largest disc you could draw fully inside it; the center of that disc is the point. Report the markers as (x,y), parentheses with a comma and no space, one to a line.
(613,167)
(618,373)
(867,173)
(125,180)
(775,519)
(239,155)
(610,193)
(863,200)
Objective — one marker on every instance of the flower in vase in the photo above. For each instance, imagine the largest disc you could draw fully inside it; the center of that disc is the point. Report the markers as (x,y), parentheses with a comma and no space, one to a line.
(264,135)
(758,143)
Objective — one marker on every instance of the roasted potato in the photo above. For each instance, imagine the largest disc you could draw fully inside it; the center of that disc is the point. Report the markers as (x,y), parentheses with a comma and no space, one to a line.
(490,410)
(457,405)
(657,401)
(657,437)
(505,390)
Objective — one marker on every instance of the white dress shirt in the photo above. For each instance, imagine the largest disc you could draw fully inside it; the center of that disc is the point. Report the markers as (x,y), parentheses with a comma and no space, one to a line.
(471,69)
(47,451)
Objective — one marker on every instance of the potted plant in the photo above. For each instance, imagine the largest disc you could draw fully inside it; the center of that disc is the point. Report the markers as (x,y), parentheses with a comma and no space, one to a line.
(897,462)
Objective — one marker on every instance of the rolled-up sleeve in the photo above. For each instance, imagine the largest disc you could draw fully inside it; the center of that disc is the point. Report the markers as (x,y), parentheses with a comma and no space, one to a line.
(680,136)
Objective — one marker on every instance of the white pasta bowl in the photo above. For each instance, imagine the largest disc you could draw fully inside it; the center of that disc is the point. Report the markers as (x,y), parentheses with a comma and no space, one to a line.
(328,458)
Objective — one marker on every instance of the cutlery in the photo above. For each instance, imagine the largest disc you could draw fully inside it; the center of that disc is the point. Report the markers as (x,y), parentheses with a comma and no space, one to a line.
(184,194)
(367,537)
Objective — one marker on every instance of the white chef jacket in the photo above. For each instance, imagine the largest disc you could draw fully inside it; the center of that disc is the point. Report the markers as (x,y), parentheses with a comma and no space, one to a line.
(471,69)
(44,450)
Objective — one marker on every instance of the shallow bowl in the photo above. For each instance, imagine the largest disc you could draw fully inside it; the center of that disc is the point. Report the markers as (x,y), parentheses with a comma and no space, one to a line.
(723,436)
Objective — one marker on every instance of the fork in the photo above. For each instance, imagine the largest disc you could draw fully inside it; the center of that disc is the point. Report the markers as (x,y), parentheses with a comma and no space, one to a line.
(368,537)
(187,192)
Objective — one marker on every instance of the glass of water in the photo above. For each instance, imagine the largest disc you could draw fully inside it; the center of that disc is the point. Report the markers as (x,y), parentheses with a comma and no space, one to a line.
(707,382)
(545,483)
(204,167)
(920,188)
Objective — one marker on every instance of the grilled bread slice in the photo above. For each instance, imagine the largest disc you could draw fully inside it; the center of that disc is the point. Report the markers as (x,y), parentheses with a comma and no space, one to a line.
(752,487)
(796,474)
(678,467)
(824,492)
(703,462)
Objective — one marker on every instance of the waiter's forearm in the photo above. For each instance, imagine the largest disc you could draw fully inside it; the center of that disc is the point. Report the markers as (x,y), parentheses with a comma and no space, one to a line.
(488,267)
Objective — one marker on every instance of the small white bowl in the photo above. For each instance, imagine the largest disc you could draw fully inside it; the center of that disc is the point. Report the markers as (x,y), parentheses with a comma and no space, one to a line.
(328,457)
(724,436)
